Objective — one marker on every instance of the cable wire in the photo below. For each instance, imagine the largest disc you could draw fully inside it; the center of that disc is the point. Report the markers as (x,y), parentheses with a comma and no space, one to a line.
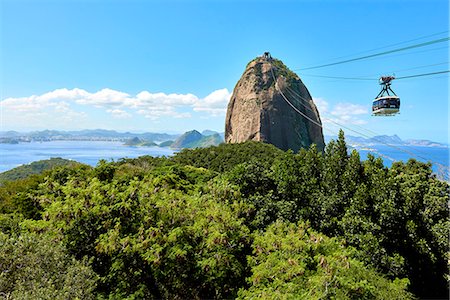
(421,75)
(379,54)
(372,79)
(391,45)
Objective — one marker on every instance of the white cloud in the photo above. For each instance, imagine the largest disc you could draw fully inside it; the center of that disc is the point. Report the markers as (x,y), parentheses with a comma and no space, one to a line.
(75,105)
(146,98)
(104,98)
(321,104)
(215,103)
(348,109)
(64,94)
(118,104)
(340,113)
(119,114)
(154,113)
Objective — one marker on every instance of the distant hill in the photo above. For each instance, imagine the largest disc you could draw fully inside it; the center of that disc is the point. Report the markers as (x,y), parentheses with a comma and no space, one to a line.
(133,142)
(9,133)
(34,168)
(187,140)
(425,143)
(194,139)
(166,144)
(137,142)
(387,139)
(211,140)
(208,132)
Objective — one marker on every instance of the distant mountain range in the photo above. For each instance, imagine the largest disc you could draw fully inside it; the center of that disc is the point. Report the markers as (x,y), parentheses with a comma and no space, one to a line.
(357,142)
(89,134)
(190,139)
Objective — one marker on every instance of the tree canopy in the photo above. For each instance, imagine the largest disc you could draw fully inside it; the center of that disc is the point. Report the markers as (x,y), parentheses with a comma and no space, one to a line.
(233,221)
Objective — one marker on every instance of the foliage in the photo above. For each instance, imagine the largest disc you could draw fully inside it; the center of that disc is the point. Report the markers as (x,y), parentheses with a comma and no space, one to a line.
(153,237)
(282,70)
(207,223)
(38,267)
(294,262)
(224,157)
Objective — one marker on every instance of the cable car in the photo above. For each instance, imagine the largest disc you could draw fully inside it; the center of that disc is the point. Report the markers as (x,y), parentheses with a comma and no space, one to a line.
(386,104)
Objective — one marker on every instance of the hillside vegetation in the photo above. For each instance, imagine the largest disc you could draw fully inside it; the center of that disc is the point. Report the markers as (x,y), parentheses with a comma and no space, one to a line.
(33,168)
(245,221)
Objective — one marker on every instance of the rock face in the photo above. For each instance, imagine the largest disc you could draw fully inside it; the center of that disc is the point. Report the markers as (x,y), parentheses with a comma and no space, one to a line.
(258,111)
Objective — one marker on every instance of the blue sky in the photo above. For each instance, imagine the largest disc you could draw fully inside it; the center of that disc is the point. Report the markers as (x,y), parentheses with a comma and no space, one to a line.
(171,66)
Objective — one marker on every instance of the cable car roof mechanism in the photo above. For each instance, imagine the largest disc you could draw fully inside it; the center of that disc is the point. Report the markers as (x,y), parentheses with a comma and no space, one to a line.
(387,103)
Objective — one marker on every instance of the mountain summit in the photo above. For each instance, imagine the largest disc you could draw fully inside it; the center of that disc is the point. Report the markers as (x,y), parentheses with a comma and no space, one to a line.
(259,111)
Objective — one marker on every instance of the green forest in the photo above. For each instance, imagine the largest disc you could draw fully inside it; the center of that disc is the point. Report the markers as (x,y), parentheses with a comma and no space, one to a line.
(245,221)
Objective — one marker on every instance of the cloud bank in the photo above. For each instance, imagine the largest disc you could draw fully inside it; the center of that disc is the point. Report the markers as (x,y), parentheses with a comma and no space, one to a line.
(75,105)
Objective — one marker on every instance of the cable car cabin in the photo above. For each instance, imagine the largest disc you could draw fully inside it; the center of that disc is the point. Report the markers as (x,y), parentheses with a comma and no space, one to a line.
(386,103)
(386,106)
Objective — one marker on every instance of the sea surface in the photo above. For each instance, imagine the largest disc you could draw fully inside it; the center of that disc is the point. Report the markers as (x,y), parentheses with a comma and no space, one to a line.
(90,152)
(436,155)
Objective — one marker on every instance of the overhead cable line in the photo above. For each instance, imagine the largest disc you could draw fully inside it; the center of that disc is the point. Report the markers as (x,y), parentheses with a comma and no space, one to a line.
(421,75)
(369,77)
(391,45)
(372,79)
(422,67)
(339,77)
(293,107)
(379,54)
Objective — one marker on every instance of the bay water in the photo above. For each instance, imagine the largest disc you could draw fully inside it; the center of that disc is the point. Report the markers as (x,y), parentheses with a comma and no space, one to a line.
(90,152)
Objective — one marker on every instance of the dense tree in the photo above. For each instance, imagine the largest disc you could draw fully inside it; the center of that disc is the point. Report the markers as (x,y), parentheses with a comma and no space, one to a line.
(38,267)
(294,262)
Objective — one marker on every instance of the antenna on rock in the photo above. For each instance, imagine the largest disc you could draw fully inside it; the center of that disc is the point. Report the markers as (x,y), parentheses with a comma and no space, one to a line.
(267,56)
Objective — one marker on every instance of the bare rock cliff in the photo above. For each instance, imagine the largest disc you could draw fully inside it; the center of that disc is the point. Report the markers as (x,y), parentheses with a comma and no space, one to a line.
(258,111)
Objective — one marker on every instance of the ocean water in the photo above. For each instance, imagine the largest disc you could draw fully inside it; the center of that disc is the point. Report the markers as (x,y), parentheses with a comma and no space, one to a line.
(437,156)
(88,152)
